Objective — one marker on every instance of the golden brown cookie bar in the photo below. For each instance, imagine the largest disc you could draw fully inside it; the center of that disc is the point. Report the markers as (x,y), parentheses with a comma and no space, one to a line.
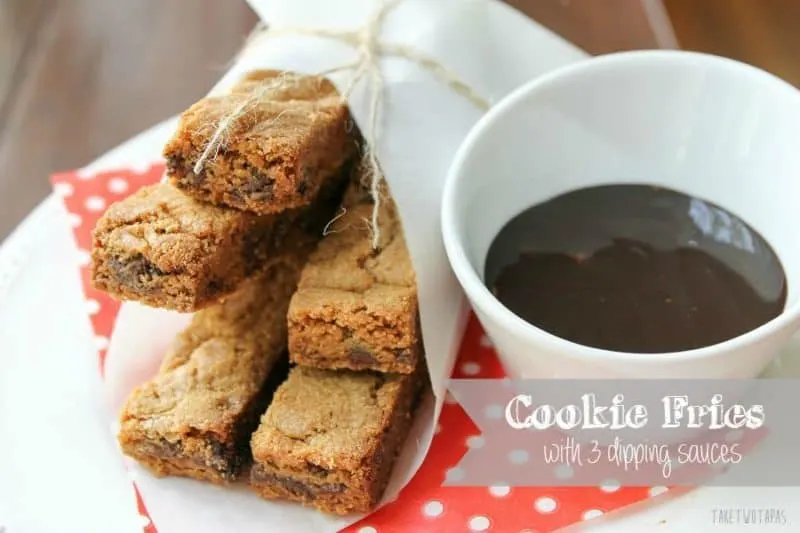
(356,308)
(195,417)
(165,249)
(273,157)
(329,438)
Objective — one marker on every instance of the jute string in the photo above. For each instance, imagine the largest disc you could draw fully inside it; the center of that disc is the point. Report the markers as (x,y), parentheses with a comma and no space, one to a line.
(370,50)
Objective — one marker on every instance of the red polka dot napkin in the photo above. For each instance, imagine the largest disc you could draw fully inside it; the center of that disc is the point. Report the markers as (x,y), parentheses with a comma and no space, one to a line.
(424,505)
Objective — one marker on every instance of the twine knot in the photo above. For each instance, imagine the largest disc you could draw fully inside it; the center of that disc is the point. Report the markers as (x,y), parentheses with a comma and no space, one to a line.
(369,49)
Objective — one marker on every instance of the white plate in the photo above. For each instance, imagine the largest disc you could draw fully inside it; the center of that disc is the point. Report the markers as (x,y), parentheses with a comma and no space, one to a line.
(60,471)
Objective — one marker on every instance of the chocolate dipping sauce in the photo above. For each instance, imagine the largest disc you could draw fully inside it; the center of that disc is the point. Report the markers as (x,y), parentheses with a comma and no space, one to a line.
(635,268)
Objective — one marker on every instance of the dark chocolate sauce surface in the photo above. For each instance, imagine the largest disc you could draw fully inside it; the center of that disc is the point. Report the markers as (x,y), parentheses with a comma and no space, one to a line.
(635,268)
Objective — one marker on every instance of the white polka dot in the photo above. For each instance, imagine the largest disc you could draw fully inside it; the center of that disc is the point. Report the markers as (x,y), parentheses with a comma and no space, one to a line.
(118,185)
(367,529)
(610,485)
(475,441)
(100,342)
(471,369)
(432,509)
(144,521)
(592,513)
(455,474)
(84,174)
(83,257)
(656,491)
(95,203)
(75,220)
(64,189)
(486,342)
(478,523)
(499,491)
(734,435)
(564,471)
(92,307)
(518,457)
(545,504)
(494,411)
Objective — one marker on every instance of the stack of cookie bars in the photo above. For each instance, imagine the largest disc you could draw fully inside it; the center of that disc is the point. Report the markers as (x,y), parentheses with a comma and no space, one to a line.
(303,363)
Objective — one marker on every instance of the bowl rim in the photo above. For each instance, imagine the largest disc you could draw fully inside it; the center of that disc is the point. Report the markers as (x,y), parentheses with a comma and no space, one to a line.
(486,302)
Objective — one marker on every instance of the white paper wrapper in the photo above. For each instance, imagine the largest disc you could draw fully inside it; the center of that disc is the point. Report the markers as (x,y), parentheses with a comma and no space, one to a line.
(490,47)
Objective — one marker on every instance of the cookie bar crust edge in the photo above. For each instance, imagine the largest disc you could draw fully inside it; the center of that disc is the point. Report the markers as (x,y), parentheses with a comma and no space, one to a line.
(192,270)
(204,455)
(164,249)
(269,162)
(343,491)
(327,343)
(196,416)
(357,308)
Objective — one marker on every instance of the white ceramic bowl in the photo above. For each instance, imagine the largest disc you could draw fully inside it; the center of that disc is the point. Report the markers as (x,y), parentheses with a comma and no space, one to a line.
(703,125)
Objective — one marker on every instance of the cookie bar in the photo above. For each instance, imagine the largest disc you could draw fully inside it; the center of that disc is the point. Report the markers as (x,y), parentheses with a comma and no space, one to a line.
(292,133)
(165,249)
(195,418)
(329,438)
(356,308)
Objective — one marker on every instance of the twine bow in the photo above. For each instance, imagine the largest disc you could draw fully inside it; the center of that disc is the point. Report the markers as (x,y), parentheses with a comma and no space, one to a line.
(370,49)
